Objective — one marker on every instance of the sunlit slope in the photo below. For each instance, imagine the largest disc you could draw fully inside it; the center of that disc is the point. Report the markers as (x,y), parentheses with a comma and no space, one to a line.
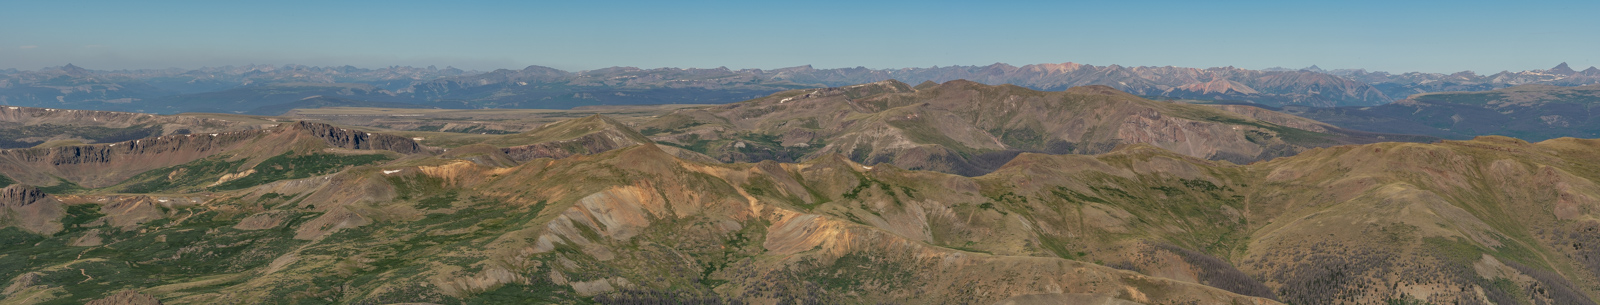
(969,128)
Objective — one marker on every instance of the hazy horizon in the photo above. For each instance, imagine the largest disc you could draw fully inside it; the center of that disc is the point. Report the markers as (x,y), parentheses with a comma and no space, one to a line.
(1573,66)
(1426,36)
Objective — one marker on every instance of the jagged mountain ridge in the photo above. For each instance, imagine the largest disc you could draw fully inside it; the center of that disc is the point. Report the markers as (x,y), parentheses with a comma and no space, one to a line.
(170,90)
(1403,85)
(1285,87)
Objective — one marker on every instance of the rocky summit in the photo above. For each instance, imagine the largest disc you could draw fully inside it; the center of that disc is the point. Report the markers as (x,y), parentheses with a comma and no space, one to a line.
(952,193)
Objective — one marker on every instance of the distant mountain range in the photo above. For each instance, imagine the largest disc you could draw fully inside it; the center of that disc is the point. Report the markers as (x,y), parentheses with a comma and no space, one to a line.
(259,89)
(1403,85)
(1528,112)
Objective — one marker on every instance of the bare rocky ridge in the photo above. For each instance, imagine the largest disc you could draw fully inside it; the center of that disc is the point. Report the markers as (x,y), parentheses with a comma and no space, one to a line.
(970,128)
(585,136)
(590,135)
(352,139)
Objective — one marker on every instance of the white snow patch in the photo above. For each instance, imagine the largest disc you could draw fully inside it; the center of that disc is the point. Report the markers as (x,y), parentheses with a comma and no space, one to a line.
(390,172)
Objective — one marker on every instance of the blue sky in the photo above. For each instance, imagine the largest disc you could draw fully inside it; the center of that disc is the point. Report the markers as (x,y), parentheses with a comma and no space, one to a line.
(1397,36)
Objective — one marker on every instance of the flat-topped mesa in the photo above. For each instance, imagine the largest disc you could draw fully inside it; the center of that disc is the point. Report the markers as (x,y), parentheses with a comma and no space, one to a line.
(20,195)
(165,124)
(202,143)
(30,114)
(100,165)
(105,153)
(354,139)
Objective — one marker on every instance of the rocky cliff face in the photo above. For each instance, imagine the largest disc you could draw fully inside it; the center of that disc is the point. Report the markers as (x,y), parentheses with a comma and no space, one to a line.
(30,209)
(20,195)
(352,139)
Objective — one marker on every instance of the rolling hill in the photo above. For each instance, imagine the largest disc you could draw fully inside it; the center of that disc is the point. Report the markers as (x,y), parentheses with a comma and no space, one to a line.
(970,128)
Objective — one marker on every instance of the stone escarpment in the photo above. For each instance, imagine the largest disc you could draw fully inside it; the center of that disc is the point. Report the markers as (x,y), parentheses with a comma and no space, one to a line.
(21,195)
(354,139)
(30,209)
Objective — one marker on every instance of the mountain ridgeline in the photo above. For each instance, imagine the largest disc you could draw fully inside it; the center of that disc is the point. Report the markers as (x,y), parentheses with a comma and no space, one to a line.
(723,205)
(1528,112)
(970,128)
(272,90)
